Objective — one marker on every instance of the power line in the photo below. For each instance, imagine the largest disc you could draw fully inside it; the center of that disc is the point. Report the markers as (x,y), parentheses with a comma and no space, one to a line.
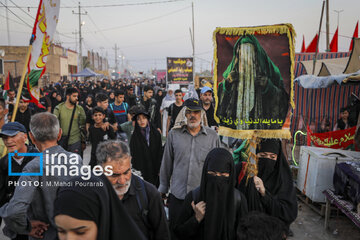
(16,15)
(93,22)
(143,21)
(339,35)
(34,19)
(154,43)
(115,5)
(14,21)
(22,9)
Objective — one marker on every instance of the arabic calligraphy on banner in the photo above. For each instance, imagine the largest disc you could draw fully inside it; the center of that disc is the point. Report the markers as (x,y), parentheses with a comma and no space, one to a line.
(179,70)
(258,121)
(341,139)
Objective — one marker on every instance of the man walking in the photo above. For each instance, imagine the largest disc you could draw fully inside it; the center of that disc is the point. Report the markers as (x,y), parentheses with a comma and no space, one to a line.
(186,148)
(68,116)
(35,201)
(140,198)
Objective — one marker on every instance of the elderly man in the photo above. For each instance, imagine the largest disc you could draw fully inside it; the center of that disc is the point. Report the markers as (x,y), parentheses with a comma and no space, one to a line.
(186,148)
(35,195)
(140,198)
(14,137)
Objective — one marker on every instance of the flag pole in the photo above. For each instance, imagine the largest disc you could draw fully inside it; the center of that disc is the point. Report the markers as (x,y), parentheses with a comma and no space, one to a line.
(22,80)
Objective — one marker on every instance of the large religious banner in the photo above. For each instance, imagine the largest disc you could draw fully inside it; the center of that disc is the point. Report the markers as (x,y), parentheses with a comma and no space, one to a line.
(179,70)
(253,80)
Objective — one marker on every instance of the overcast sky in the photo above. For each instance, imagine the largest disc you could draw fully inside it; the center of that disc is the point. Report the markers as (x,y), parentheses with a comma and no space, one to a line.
(147,34)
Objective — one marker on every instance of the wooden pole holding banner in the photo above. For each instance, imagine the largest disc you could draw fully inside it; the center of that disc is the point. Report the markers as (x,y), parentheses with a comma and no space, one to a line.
(317,44)
(22,81)
(252,157)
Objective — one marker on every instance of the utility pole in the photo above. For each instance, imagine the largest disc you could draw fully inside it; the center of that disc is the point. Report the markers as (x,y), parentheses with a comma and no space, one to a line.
(317,44)
(7,23)
(116,59)
(80,37)
(193,41)
(327,27)
(76,40)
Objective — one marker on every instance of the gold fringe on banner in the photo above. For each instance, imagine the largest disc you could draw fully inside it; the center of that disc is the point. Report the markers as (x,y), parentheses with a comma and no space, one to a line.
(287,29)
(247,134)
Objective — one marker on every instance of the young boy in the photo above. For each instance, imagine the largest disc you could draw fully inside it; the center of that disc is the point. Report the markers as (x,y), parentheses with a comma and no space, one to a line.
(97,134)
(120,108)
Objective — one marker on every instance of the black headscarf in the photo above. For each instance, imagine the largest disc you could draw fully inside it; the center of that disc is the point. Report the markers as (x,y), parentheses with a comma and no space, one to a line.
(280,200)
(54,101)
(146,158)
(98,204)
(218,194)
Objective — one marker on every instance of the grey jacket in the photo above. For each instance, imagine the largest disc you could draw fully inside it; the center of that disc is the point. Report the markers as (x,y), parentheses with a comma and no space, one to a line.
(36,202)
(183,159)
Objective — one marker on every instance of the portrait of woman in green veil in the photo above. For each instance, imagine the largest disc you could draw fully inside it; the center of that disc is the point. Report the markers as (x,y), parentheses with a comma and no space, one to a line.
(252,94)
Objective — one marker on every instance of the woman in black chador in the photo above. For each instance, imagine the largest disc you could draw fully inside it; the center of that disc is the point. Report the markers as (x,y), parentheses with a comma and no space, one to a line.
(212,210)
(272,190)
(146,148)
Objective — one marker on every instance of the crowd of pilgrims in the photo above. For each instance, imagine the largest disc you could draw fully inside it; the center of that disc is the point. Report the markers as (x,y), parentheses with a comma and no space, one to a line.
(172,176)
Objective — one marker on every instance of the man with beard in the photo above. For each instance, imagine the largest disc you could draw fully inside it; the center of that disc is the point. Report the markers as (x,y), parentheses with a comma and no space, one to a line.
(186,148)
(206,101)
(213,210)
(140,198)
(64,112)
(272,190)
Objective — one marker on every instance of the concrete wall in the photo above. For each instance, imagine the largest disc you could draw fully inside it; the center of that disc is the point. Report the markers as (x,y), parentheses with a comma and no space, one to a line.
(59,61)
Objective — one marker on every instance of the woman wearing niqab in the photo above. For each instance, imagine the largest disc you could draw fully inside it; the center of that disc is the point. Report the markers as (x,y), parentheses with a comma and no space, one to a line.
(279,199)
(225,205)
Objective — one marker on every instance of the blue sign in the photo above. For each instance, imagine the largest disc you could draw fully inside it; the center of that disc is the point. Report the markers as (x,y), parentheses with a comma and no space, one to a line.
(10,155)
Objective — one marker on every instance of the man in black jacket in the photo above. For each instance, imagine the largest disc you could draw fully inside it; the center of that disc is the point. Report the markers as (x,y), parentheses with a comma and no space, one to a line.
(14,135)
(140,198)
(150,105)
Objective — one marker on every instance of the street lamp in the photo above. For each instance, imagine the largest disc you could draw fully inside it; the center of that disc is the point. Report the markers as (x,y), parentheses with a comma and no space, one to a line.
(338,15)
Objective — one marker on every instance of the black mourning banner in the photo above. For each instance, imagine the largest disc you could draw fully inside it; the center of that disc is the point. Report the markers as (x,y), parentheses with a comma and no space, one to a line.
(179,70)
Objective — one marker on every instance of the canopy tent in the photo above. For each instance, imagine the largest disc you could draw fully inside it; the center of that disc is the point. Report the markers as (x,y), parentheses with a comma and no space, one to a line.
(329,63)
(87,72)
(301,57)
(312,105)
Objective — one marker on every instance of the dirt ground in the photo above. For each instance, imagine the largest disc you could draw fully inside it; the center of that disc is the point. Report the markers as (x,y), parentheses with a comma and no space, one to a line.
(310,225)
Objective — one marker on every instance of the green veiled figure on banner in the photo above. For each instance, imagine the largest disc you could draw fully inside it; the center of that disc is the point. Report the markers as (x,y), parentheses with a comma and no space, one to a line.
(252,94)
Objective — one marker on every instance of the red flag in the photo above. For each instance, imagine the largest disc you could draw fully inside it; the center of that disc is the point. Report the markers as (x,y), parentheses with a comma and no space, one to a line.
(7,82)
(313,44)
(303,49)
(334,41)
(355,35)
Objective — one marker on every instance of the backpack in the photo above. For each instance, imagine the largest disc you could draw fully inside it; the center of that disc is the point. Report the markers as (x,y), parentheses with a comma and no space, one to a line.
(142,200)
(126,106)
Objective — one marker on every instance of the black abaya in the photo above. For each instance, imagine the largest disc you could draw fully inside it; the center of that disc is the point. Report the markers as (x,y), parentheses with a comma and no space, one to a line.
(280,197)
(147,158)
